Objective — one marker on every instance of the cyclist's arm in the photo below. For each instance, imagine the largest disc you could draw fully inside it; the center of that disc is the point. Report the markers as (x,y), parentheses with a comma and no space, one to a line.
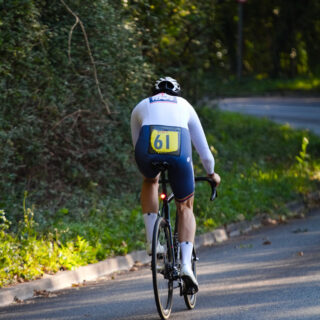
(135,124)
(200,142)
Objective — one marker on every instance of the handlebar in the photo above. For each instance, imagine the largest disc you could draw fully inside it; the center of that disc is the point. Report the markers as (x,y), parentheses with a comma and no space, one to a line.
(214,193)
(213,185)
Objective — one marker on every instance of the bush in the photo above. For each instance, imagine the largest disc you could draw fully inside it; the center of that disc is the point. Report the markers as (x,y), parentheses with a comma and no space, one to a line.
(263,165)
(58,138)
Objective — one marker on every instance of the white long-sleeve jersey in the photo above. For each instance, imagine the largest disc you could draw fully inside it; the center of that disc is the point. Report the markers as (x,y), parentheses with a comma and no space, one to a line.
(166,110)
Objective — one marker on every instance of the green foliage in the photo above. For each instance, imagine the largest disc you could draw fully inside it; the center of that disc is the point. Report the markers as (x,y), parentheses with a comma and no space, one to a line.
(58,141)
(4,223)
(261,85)
(62,148)
(184,38)
(56,135)
(303,156)
(68,241)
(260,170)
(196,40)
(28,255)
(263,165)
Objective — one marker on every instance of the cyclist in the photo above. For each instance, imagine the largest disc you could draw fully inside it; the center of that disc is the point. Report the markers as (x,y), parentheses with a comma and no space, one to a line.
(162,128)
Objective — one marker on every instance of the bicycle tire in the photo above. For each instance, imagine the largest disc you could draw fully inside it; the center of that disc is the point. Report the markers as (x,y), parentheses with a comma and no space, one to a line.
(191,299)
(161,265)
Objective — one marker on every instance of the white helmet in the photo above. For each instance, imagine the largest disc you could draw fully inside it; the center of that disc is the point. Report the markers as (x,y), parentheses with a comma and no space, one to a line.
(168,85)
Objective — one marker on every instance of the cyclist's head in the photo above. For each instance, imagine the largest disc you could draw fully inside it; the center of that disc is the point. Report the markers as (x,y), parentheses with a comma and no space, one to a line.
(167,85)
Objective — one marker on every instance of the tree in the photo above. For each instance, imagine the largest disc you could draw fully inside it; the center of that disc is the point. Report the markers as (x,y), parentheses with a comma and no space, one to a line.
(57,135)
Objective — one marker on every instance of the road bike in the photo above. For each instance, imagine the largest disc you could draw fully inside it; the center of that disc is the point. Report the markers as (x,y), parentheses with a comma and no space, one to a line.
(166,265)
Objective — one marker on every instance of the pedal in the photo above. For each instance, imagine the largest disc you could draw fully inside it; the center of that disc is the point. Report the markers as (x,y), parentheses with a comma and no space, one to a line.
(160,256)
(191,291)
(175,274)
(188,288)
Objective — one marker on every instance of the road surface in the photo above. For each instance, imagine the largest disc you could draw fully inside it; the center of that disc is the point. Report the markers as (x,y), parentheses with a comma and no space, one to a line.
(273,273)
(302,113)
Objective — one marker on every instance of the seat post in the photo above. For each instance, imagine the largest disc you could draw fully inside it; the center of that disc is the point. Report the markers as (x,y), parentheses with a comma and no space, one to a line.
(163,179)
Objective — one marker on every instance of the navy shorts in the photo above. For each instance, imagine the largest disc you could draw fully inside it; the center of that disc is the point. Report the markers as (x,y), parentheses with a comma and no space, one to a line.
(170,144)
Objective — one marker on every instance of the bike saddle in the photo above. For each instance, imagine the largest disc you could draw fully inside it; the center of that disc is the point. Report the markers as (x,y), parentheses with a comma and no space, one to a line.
(161,165)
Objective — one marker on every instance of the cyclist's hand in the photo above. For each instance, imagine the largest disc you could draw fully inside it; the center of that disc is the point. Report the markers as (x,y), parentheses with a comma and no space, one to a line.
(215,177)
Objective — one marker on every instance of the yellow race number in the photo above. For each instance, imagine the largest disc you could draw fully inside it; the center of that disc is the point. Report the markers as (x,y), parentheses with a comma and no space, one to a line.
(165,141)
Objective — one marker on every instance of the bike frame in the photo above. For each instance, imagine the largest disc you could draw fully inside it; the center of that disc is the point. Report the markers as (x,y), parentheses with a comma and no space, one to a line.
(169,268)
(165,213)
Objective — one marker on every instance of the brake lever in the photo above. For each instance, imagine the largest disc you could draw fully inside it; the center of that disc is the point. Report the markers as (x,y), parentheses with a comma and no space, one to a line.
(214,193)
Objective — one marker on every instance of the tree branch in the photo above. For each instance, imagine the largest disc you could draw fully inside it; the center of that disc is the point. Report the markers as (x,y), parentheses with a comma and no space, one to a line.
(71,115)
(95,74)
(70,37)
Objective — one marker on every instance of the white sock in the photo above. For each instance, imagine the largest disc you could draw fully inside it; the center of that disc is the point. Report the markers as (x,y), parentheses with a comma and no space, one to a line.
(149,221)
(186,252)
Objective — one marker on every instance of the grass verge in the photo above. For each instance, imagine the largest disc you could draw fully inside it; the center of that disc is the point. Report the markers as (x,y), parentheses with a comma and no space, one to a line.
(263,166)
(261,85)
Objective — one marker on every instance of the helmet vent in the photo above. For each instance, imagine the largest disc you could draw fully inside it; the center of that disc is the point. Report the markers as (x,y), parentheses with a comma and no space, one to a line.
(168,85)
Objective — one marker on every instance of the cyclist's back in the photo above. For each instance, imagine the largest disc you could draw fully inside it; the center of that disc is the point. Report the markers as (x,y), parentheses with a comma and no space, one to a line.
(163,127)
(164,109)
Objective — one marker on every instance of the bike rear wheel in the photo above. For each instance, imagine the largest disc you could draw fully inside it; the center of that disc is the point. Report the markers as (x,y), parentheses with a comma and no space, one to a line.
(162,264)
(191,299)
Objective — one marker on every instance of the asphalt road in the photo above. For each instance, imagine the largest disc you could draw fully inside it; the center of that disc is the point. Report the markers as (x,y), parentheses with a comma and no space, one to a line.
(301,113)
(273,273)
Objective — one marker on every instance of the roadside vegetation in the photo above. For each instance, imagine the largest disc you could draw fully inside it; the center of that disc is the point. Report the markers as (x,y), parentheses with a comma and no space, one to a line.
(70,73)
(263,166)
(260,85)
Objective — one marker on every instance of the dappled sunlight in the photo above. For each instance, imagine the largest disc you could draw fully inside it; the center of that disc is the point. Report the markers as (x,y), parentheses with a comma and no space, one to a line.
(267,175)
(301,312)
(305,84)
(261,257)
(103,297)
(226,311)
(246,283)
(254,281)
(254,288)
(315,175)
(239,279)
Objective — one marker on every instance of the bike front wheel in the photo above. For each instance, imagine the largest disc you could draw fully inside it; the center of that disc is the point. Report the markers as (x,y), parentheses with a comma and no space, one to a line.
(162,268)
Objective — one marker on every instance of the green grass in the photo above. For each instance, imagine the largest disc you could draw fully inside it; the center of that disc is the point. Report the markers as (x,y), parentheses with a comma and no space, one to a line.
(263,166)
(261,85)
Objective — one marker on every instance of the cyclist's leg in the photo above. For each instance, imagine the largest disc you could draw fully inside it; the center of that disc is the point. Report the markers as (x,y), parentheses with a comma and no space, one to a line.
(181,177)
(150,206)
(149,190)
(187,222)
(186,230)
(186,234)
(149,194)
(183,187)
